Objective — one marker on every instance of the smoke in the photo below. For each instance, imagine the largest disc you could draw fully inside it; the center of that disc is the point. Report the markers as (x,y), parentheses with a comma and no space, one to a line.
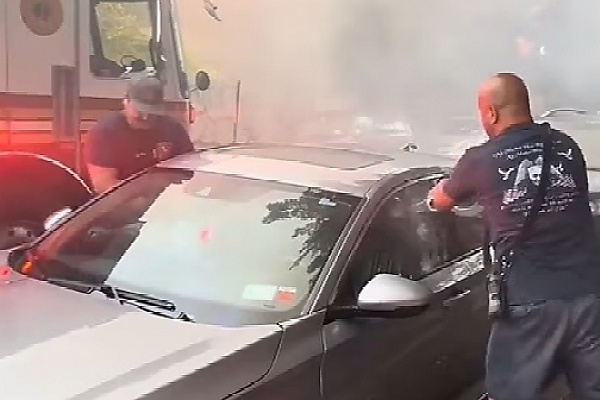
(415,60)
(278,49)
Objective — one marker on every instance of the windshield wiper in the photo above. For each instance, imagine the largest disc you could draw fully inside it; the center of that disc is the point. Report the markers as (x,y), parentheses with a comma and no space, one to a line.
(140,300)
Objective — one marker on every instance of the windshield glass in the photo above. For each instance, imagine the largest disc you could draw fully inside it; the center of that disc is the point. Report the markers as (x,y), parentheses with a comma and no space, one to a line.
(121,36)
(227,250)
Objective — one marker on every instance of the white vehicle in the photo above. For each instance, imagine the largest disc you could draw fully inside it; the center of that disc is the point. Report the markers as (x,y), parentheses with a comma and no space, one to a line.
(106,42)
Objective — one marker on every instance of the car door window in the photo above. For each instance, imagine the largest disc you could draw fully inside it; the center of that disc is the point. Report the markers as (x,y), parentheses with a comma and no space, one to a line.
(426,234)
(438,237)
(389,245)
(470,227)
(378,252)
(406,238)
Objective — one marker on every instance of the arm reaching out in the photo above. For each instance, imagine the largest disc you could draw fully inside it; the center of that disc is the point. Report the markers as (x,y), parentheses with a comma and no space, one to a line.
(102,178)
(461,186)
(439,200)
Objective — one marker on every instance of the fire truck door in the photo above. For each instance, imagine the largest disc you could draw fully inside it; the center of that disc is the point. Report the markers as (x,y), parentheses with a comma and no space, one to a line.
(41,35)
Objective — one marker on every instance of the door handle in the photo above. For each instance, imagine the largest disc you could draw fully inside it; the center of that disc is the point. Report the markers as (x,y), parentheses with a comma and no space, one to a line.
(448,302)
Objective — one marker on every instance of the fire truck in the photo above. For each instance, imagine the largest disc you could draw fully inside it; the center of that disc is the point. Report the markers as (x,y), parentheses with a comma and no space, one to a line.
(63,65)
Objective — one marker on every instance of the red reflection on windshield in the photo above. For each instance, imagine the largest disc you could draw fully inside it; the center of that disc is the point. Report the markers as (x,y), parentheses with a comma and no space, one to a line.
(5,272)
(205,235)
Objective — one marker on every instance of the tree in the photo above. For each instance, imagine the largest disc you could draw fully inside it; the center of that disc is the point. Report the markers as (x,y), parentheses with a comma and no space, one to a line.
(325,217)
(125,29)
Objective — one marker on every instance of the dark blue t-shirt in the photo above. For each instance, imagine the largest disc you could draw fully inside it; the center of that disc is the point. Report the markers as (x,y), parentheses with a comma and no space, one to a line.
(113,143)
(560,258)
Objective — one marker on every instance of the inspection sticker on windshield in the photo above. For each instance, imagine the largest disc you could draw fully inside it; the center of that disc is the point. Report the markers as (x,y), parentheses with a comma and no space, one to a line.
(285,295)
(259,292)
(327,202)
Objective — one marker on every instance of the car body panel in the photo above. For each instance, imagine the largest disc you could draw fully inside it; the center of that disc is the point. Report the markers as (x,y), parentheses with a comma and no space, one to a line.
(583,128)
(594,181)
(383,358)
(51,335)
(405,355)
(355,181)
(137,355)
(296,373)
(466,306)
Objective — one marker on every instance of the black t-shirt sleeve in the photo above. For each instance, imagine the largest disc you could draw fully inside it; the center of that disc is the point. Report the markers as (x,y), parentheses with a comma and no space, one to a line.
(462,184)
(100,147)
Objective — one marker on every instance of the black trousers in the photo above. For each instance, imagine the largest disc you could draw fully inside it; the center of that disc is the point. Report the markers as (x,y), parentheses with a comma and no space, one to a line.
(537,342)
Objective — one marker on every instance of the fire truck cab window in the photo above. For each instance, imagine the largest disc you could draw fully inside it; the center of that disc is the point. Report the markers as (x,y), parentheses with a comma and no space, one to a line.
(121,35)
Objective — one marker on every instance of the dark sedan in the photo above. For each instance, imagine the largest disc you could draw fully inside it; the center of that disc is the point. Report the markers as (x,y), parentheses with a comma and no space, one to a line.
(252,272)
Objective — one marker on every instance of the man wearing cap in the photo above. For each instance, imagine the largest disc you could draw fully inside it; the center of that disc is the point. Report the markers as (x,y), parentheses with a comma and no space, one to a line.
(137,137)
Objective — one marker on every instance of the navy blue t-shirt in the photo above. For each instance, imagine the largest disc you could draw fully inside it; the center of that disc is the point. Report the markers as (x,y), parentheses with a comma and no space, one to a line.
(113,143)
(560,258)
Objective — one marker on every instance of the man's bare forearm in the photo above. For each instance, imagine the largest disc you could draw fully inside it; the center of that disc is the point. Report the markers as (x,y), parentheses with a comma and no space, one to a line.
(102,178)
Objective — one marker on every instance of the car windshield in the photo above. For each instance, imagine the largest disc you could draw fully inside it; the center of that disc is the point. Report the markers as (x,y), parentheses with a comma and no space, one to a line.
(227,250)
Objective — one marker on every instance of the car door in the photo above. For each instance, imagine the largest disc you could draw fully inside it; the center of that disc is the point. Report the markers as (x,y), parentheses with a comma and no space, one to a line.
(375,359)
(455,270)
(451,265)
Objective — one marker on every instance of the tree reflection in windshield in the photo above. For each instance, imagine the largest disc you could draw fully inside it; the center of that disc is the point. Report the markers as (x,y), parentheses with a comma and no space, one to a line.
(324,225)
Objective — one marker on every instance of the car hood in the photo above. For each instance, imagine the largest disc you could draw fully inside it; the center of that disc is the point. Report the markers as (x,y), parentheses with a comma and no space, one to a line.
(586,132)
(589,142)
(594,181)
(60,344)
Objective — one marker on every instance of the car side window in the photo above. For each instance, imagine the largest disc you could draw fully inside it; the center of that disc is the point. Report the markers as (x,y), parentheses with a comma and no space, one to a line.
(469,227)
(378,252)
(424,233)
(437,237)
(406,238)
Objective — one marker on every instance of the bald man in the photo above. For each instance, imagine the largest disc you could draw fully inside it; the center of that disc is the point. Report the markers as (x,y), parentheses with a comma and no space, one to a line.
(552,288)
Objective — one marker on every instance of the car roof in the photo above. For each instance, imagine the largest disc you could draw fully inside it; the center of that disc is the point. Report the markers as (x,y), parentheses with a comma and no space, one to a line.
(344,170)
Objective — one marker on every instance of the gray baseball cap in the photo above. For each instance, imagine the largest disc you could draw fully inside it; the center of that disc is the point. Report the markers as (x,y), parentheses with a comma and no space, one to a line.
(147,95)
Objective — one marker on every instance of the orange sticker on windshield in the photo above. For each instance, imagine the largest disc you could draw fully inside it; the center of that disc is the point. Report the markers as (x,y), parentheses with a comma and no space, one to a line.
(286,295)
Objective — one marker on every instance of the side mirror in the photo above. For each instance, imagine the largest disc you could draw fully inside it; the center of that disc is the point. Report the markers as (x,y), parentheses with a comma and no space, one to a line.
(56,218)
(393,293)
(202,81)
(16,257)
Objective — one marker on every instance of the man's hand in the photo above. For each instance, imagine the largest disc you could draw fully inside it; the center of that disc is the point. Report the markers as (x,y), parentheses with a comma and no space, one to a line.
(439,200)
(102,178)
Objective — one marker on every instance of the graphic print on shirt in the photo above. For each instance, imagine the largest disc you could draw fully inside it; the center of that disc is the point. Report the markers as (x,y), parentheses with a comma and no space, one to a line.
(522,174)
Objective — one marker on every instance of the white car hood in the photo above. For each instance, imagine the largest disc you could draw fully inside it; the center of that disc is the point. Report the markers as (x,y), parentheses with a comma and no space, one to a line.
(58,344)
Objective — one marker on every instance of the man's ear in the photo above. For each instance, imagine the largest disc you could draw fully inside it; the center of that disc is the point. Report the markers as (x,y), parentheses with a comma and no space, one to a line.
(493,114)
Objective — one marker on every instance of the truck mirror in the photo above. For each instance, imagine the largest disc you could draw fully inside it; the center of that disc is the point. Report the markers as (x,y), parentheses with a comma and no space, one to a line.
(202,81)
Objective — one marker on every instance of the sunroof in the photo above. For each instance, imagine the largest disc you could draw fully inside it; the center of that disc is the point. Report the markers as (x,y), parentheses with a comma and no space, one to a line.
(323,157)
